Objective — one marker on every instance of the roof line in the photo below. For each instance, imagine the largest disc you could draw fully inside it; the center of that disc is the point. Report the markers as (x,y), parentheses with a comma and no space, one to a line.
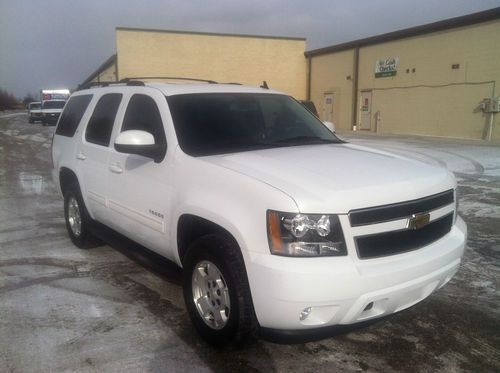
(101,68)
(210,33)
(450,23)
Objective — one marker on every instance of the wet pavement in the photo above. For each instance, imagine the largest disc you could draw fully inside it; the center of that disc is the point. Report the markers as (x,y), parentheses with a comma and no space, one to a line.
(120,308)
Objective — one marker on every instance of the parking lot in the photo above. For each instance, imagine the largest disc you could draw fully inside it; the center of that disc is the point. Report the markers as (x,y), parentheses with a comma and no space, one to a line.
(120,308)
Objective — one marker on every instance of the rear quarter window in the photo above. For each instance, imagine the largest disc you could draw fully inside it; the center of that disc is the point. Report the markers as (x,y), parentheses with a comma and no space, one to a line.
(72,115)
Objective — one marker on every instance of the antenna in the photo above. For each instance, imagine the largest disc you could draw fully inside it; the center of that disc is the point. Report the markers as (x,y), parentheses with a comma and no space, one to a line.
(264,85)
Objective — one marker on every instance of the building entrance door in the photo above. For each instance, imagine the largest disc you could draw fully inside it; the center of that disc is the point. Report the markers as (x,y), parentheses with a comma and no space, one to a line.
(328,107)
(365,111)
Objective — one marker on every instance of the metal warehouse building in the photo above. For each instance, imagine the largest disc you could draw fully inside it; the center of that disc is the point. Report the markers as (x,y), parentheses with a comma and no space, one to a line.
(428,80)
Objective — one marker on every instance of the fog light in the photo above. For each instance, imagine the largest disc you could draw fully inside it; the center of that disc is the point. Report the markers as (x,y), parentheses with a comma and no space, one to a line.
(305,313)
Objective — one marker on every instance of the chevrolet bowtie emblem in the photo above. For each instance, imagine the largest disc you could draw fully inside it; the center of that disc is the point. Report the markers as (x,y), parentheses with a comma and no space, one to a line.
(418,221)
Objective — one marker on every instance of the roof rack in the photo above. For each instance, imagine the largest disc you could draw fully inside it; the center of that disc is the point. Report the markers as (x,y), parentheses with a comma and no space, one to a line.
(126,80)
(108,83)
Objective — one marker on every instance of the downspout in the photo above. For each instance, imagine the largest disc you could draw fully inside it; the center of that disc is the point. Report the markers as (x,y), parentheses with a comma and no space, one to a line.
(355,71)
(492,115)
(490,127)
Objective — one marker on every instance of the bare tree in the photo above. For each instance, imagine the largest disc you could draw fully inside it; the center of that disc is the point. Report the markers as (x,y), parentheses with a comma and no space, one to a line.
(7,100)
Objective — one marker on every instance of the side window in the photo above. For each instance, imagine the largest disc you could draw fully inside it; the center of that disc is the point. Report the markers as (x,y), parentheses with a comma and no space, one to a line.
(101,123)
(72,114)
(143,114)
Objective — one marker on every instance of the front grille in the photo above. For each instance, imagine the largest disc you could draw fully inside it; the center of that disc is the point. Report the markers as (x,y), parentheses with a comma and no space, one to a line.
(395,242)
(401,210)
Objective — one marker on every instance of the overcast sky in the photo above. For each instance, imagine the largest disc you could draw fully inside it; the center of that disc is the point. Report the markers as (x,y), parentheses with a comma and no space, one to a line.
(58,43)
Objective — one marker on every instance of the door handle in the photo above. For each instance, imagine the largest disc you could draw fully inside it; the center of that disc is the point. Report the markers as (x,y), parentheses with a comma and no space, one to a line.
(116,168)
(81,156)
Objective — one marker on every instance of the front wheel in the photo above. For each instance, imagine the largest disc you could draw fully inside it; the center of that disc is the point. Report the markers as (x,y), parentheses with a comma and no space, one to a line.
(216,291)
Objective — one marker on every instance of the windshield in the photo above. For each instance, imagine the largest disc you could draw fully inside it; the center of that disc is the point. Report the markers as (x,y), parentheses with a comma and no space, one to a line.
(35,106)
(218,123)
(53,104)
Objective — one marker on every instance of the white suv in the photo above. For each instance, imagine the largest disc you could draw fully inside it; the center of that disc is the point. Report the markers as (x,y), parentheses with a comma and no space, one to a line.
(278,224)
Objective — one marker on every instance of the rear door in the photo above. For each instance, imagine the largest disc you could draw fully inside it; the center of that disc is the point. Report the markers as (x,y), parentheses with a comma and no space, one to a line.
(140,189)
(93,152)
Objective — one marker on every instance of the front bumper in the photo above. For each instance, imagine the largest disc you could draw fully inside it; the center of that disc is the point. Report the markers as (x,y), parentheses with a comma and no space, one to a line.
(347,290)
(50,118)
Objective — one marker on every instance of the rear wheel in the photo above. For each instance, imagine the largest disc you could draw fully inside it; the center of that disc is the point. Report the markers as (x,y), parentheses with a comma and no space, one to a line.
(216,291)
(77,219)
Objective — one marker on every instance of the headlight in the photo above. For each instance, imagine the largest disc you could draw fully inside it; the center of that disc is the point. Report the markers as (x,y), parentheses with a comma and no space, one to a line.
(308,235)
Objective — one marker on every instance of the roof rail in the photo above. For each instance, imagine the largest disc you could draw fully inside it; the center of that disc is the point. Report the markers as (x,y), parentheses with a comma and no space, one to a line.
(125,80)
(107,83)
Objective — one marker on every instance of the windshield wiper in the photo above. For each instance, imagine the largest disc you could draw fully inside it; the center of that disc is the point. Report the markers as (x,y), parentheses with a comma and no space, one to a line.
(306,140)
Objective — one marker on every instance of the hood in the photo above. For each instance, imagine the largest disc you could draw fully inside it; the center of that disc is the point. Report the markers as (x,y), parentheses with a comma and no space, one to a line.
(52,111)
(336,178)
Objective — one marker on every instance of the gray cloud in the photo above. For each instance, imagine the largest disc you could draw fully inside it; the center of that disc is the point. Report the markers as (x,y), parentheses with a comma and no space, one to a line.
(53,43)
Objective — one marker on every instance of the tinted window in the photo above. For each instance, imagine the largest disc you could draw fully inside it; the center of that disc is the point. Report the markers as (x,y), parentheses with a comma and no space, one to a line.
(309,105)
(101,123)
(58,104)
(72,114)
(215,123)
(35,106)
(143,114)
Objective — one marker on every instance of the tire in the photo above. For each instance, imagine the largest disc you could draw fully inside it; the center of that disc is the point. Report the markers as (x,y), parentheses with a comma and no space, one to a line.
(216,260)
(78,221)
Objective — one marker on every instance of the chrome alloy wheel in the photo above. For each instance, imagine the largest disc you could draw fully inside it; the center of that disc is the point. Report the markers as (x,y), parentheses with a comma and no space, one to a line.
(74,218)
(211,294)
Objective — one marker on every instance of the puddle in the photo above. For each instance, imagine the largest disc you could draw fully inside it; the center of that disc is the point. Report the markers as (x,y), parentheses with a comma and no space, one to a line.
(30,183)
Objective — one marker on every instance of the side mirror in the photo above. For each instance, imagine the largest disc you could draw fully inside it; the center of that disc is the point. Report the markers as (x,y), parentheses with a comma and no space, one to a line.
(330,126)
(140,143)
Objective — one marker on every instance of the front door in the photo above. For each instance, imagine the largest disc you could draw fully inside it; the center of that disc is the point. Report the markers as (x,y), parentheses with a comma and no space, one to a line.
(140,189)
(365,111)
(328,107)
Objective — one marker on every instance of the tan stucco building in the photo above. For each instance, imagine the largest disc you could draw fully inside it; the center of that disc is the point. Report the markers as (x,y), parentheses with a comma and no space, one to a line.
(428,80)
(245,59)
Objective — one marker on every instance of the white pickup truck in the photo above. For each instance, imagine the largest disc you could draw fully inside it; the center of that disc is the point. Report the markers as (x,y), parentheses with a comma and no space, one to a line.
(51,110)
(34,111)
(277,223)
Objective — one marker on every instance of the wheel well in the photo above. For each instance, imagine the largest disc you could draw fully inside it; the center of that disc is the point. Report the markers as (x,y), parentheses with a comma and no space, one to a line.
(66,178)
(191,227)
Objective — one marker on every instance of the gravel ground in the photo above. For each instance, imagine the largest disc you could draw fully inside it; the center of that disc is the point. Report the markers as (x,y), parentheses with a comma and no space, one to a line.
(120,308)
